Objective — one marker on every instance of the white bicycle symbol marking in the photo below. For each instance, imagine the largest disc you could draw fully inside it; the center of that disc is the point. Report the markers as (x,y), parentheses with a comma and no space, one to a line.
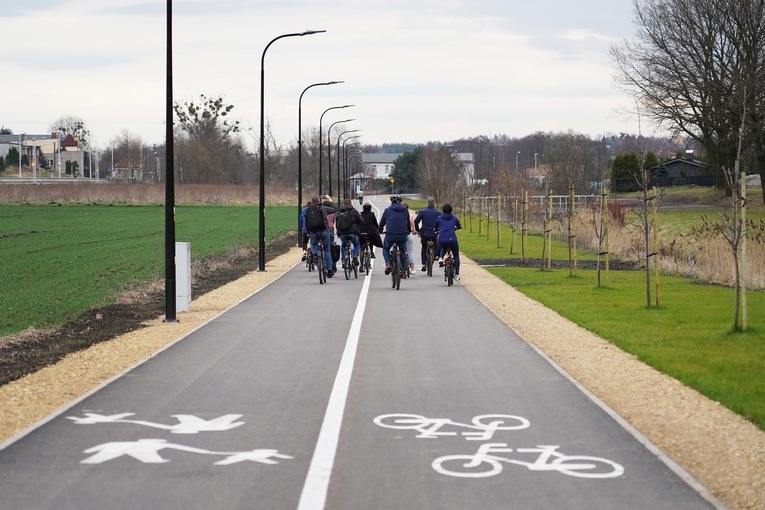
(485,463)
(430,428)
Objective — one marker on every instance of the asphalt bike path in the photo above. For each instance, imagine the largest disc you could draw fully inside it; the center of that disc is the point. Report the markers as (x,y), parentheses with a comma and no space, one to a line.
(227,417)
(346,395)
(438,380)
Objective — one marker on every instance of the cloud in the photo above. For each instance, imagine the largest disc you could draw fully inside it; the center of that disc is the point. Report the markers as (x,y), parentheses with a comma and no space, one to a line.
(430,69)
(24,8)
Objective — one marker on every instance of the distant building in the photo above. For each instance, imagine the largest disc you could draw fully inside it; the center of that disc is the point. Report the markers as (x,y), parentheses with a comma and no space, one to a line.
(681,171)
(378,165)
(681,167)
(673,172)
(56,150)
(126,170)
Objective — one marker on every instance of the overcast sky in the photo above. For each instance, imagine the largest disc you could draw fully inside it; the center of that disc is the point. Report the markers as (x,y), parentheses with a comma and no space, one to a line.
(416,70)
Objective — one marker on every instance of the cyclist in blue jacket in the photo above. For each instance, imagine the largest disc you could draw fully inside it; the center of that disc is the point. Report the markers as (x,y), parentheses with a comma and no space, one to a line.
(396,219)
(424,224)
(305,231)
(446,225)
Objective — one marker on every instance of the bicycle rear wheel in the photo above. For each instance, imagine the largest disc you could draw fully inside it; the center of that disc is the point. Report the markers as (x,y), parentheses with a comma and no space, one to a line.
(367,260)
(430,260)
(321,269)
(347,262)
(450,274)
(393,268)
(355,270)
(396,271)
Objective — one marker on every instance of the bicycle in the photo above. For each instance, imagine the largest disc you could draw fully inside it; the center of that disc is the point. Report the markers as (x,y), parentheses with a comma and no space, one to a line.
(321,264)
(448,268)
(366,256)
(430,256)
(485,463)
(395,265)
(309,262)
(348,265)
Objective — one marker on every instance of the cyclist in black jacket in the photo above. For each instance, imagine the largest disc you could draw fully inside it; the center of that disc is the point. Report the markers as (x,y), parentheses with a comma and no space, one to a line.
(369,229)
(348,228)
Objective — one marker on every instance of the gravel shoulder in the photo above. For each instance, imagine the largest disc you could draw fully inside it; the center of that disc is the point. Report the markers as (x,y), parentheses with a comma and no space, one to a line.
(719,448)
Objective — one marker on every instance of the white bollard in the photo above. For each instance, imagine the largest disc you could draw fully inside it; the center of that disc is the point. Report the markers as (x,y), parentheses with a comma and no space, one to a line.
(182,277)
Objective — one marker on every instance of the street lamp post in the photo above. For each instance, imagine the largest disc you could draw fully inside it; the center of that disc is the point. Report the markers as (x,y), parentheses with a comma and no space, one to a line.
(300,153)
(516,161)
(262,197)
(329,154)
(346,179)
(170,273)
(338,162)
(320,142)
(351,158)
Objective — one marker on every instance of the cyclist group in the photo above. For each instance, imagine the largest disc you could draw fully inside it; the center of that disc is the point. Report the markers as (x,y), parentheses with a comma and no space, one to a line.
(399,225)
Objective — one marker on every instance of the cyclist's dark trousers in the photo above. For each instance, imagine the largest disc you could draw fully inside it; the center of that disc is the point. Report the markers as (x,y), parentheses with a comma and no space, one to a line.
(305,240)
(455,247)
(324,234)
(424,250)
(354,242)
(402,246)
(366,239)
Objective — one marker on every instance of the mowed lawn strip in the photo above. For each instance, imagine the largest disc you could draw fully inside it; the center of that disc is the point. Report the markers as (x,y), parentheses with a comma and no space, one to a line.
(687,337)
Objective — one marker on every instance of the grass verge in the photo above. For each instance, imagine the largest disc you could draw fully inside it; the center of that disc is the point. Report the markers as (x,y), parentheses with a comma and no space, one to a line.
(687,337)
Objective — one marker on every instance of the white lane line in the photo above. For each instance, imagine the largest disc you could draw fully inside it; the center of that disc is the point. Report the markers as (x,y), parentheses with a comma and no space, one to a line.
(314,493)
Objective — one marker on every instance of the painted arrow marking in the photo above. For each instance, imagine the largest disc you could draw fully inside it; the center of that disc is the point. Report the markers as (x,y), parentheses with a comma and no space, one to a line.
(187,423)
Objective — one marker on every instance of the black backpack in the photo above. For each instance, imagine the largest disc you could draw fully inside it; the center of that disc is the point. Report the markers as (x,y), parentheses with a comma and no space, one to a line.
(343,221)
(314,219)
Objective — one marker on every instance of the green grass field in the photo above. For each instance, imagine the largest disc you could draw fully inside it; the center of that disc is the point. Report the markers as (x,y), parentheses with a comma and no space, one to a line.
(687,337)
(60,260)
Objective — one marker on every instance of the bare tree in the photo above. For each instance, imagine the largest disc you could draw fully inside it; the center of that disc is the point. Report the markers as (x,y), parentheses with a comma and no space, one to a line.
(209,149)
(71,125)
(128,148)
(732,229)
(568,158)
(689,68)
(438,174)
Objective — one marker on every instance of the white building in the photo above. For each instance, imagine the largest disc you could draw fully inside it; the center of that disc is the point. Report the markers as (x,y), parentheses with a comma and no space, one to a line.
(466,162)
(378,165)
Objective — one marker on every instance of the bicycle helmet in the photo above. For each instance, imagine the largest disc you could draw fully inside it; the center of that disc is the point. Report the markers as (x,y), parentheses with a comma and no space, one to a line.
(395,199)
(367,206)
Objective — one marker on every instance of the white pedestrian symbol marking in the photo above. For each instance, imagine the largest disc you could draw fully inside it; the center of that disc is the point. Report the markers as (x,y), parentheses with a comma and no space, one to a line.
(187,423)
(147,451)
